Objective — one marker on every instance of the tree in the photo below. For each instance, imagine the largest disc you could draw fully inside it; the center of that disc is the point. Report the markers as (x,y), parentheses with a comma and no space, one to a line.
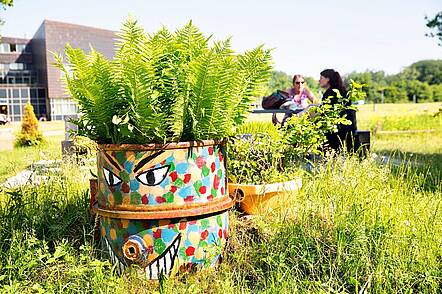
(29,134)
(429,71)
(436,25)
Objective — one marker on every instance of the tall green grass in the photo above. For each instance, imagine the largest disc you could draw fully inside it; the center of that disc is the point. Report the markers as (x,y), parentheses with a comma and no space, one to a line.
(354,225)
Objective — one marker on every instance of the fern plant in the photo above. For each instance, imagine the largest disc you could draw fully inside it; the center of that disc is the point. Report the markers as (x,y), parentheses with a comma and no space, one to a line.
(165,87)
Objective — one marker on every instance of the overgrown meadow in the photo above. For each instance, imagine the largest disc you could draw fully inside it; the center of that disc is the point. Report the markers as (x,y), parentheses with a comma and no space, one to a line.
(366,226)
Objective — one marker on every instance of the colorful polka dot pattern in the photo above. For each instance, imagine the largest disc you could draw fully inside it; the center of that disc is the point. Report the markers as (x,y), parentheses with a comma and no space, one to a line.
(195,175)
(202,239)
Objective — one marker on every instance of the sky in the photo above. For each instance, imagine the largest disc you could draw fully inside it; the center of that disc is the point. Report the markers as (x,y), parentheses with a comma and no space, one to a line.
(306,36)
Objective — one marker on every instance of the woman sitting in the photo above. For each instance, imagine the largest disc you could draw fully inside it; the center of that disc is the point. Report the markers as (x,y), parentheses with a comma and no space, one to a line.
(299,97)
(331,80)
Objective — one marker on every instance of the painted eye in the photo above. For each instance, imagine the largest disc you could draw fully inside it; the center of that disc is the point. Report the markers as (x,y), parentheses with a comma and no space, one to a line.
(111,178)
(153,176)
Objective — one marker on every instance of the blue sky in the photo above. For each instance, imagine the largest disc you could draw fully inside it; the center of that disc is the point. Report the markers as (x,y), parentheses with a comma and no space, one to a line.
(307,36)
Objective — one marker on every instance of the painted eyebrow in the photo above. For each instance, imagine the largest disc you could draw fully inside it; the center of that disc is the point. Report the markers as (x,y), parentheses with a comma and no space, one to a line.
(146,160)
(111,160)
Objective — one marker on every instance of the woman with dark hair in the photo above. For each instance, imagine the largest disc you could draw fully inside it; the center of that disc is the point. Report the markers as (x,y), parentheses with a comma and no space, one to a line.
(331,80)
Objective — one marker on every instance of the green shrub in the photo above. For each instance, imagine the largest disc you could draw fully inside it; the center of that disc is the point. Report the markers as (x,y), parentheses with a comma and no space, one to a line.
(164,87)
(29,134)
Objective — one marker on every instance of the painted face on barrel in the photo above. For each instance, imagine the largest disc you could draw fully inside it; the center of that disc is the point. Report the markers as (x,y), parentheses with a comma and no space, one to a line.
(142,180)
(127,179)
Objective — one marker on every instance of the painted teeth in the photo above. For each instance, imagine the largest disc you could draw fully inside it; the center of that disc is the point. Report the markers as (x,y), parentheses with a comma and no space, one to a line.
(163,264)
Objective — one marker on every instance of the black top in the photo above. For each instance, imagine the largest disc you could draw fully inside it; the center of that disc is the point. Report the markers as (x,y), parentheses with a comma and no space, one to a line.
(350,113)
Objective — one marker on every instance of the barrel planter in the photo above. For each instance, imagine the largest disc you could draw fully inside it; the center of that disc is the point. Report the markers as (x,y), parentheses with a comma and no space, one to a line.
(162,207)
(259,199)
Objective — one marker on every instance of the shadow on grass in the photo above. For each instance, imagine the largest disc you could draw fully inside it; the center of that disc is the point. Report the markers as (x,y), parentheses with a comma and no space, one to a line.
(427,166)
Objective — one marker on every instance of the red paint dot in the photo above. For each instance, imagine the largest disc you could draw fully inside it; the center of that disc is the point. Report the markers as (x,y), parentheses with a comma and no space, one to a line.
(204,234)
(212,167)
(125,188)
(157,234)
(216,181)
(160,199)
(220,155)
(183,225)
(144,199)
(170,226)
(173,176)
(163,162)
(202,190)
(210,197)
(200,161)
(210,150)
(225,233)
(192,222)
(222,190)
(187,178)
(173,189)
(112,189)
(220,233)
(190,251)
(188,199)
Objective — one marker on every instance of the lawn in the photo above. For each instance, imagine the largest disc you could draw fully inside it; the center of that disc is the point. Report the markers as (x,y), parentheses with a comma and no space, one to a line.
(355,226)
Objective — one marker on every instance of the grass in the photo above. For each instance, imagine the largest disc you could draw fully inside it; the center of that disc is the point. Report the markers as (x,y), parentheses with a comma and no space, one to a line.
(355,226)
(16,160)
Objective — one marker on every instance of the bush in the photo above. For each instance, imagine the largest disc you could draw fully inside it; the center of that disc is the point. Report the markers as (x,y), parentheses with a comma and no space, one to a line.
(29,134)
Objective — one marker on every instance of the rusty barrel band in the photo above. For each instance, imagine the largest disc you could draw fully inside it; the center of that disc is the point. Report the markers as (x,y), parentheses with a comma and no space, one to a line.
(166,146)
(169,211)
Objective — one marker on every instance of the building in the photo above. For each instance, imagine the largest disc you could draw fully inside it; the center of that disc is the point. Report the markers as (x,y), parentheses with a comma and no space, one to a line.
(27,73)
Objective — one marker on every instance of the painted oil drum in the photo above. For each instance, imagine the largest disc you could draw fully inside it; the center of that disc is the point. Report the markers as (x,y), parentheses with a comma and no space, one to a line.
(162,207)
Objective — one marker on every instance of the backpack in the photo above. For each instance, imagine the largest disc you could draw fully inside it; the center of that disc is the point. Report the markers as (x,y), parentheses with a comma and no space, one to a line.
(275,100)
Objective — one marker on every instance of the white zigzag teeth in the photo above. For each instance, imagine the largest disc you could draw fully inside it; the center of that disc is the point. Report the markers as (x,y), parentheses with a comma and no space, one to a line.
(163,264)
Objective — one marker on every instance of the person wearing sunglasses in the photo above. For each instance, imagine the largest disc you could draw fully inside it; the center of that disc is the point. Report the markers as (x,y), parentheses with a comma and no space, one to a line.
(299,93)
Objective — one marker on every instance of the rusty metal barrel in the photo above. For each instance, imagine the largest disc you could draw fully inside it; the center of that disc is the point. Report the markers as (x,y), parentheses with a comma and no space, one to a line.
(162,207)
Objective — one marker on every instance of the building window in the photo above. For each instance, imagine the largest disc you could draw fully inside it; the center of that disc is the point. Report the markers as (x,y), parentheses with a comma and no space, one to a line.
(42,93)
(4,48)
(13,47)
(15,93)
(60,107)
(16,66)
(21,47)
(3,93)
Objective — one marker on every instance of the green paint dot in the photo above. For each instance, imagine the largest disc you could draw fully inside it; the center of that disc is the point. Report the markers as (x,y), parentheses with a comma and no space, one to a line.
(220,173)
(206,171)
(135,198)
(138,155)
(118,197)
(182,253)
(159,246)
(179,183)
(197,185)
(213,192)
(204,223)
(124,176)
(172,167)
(202,244)
(121,157)
(219,221)
(169,197)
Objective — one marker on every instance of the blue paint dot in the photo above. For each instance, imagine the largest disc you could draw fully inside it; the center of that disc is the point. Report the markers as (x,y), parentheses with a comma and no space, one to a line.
(184,192)
(181,168)
(168,235)
(128,165)
(134,185)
